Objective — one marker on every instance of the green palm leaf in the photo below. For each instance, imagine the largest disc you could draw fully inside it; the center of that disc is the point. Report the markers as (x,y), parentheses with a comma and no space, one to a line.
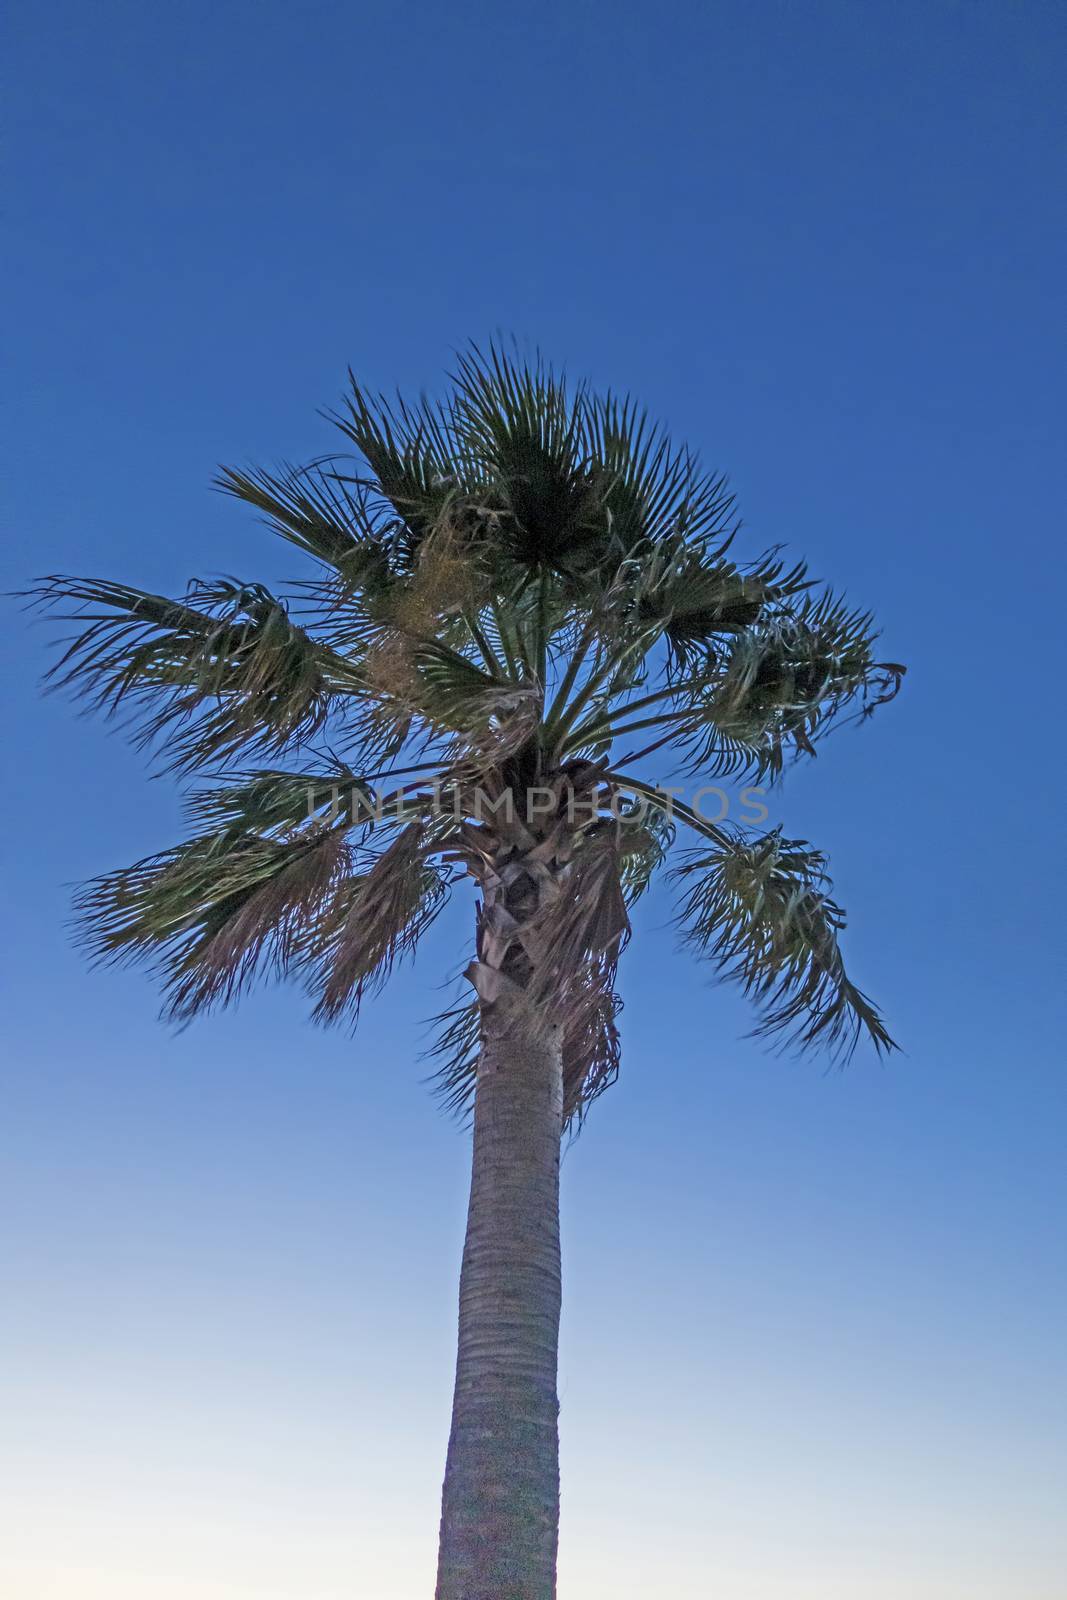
(216,673)
(761,911)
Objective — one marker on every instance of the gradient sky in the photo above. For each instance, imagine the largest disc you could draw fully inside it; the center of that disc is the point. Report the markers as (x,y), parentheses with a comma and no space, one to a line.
(813,1342)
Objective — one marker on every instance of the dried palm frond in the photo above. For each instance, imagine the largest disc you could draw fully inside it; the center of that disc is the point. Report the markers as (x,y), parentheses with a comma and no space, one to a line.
(456,1048)
(587,920)
(383,914)
(591,1048)
(272,928)
(212,914)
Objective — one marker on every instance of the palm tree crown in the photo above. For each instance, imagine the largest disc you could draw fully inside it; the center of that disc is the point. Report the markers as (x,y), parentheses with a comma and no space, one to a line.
(521,593)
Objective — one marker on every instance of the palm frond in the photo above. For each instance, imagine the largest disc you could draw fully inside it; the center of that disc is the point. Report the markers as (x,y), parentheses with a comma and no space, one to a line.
(329,515)
(762,911)
(776,687)
(706,602)
(413,457)
(212,914)
(789,677)
(645,838)
(455,1049)
(587,921)
(385,912)
(269,801)
(650,489)
(527,432)
(221,671)
(591,1047)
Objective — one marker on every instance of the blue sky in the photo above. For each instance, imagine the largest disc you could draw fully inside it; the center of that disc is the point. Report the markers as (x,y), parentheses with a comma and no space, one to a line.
(812,1338)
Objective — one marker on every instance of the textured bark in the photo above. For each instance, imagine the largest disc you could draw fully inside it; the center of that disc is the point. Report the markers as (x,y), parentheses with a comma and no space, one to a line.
(500,1514)
(548,932)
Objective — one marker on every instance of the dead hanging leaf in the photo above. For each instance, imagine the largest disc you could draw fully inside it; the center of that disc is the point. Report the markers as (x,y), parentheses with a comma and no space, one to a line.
(500,725)
(258,908)
(387,910)
(591,1045)
(588,921)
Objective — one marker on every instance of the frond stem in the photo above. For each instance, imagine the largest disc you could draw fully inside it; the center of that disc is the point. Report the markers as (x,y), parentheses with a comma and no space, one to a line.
(673,807)
(574,666)
(489,655)
(595,681)
(505,640)
(591,732)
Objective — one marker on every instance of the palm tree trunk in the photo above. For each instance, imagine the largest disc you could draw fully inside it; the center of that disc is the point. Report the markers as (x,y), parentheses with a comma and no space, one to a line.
(500,1514)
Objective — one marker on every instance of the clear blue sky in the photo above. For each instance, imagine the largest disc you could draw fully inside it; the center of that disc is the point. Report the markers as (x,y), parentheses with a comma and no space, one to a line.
(813,1344)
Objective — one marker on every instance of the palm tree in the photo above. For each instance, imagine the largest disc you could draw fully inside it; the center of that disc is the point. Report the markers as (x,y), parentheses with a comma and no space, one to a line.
(518,595)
